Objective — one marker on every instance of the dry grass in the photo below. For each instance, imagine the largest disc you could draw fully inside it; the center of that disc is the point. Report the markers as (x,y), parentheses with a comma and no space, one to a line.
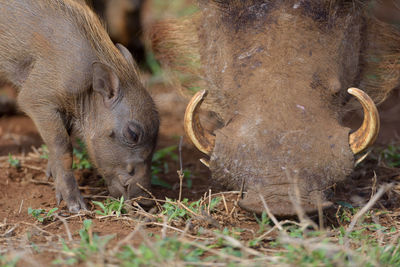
(214,232)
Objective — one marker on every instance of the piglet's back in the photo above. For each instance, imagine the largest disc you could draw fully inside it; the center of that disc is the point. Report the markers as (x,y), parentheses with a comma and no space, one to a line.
(55,39)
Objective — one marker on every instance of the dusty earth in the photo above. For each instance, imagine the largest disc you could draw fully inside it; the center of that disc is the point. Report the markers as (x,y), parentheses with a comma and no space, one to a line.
(27,187)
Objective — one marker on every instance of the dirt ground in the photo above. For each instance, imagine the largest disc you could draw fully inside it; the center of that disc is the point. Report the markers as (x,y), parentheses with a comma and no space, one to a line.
(28,187)
(38,244)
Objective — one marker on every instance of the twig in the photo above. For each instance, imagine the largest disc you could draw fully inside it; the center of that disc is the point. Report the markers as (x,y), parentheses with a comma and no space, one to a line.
(314,244)
(126,239)
(373,188)
(209,202)
(263,259)
(164,227)
(20,206)
(43,182)
(9,231)
(226,207)
(398,245)
(273,218)
(296,201)
(40,229)
(181,176)
(236,243)
(225,193)
(369,205)
(180,172)
(189,263)
(186,208)
(320,213)
(213,251)
(261,237)
(178,230)
(64,221)
(152,196)
(32,167)
(238,197)
(187,226)
(35,151)
(66,218)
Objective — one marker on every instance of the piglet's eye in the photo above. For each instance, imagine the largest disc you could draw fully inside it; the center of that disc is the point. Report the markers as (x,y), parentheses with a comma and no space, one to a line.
(133,136)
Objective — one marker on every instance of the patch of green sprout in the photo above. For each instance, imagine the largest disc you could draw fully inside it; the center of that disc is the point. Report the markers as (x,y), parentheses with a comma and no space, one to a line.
(299,255)
(45,152)
(5,261)
(263,222)
(14,162)
(195,88)
(41,215)
(175,211)
(90,244)
(176,8)
(159,165)
(346,211)
(153,64)
(188,178)
(110,207)
(368,252)
(388,255)
(233,232)
(81,157)
(391,156)
(165,250)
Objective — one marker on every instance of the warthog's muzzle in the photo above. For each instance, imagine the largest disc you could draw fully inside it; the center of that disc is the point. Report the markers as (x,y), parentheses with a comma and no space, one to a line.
(205,141)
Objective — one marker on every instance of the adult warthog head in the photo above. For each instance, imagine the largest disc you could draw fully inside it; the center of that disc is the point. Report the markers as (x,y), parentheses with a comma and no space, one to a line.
(277,75)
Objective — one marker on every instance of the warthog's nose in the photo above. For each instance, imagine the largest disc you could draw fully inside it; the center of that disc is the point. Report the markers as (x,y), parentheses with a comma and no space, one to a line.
(130,168)
(124,179)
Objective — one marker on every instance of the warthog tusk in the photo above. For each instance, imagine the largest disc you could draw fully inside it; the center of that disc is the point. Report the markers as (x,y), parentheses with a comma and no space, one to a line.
(203,140)
(367,133)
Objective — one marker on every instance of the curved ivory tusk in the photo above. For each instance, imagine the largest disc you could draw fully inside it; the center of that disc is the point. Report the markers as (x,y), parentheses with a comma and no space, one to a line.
(367,133)
(203,140)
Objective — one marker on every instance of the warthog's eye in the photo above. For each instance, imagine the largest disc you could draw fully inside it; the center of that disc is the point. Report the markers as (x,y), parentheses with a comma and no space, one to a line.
(132,133)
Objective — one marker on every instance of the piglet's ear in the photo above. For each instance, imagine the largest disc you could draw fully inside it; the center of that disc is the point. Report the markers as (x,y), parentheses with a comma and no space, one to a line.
(127,55)
(105,81)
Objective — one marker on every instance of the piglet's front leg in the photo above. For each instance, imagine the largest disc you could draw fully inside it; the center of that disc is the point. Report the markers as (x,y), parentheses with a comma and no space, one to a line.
(51,125)
(59,167)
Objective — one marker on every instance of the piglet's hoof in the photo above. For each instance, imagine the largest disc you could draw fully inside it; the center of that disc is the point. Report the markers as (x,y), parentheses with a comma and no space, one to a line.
(74,201)
(67,190)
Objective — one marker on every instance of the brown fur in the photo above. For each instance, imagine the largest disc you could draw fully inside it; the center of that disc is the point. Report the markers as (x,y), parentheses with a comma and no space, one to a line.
(180,49)
(175,38)
(277,74)
(93,29)
(72,79)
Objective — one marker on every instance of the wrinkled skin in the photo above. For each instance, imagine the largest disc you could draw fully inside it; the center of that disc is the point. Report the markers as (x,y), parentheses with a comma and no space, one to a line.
(277,74)
(281,136)
(72,79)
(122,145)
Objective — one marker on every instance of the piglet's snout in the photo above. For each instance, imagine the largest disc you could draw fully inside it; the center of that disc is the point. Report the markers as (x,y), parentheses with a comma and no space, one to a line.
(136,181)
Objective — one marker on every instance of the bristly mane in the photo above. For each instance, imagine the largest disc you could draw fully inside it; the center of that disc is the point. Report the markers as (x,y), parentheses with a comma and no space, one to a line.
(241,11)
(177,40)
(94,30)
(231,5)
